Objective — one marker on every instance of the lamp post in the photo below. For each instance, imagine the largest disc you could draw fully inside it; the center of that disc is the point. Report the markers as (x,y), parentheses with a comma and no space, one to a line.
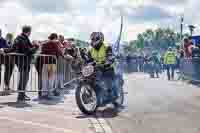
(191,28)
(182,21)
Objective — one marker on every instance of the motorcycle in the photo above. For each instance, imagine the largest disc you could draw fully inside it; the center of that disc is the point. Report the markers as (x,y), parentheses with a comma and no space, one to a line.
(90,95)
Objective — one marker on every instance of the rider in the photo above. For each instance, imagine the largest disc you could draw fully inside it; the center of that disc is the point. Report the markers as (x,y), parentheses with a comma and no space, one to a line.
(103,57)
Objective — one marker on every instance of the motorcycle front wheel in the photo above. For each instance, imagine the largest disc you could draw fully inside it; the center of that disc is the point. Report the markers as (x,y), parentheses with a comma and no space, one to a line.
(86,99)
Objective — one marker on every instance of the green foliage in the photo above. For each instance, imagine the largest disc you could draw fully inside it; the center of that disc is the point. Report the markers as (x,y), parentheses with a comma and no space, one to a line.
(81,44)
(159,39)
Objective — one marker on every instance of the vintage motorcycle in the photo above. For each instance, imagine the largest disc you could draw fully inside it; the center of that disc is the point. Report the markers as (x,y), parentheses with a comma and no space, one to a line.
(90,95)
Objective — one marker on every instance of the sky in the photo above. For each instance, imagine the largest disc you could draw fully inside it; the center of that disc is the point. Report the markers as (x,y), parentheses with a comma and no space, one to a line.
(78,18)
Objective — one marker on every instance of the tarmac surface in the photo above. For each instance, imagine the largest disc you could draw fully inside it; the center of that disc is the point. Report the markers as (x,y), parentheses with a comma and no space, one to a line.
(158,106)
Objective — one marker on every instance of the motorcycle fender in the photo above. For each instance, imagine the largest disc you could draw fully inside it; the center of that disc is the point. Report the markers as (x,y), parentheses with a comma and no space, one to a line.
(86,81)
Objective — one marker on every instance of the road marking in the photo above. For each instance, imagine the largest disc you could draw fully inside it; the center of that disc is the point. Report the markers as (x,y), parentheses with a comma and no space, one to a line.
(36,124)
(100,125)
(96,125)
(104,125)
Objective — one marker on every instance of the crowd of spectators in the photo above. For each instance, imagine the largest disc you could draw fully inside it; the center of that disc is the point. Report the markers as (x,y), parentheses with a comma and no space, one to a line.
(50,68)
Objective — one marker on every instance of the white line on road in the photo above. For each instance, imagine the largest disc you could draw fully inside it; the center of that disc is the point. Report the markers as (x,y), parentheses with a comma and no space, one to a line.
(105,125)
(100,125)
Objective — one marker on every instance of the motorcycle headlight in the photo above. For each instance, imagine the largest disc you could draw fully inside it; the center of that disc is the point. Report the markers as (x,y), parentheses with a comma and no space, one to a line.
(88,71)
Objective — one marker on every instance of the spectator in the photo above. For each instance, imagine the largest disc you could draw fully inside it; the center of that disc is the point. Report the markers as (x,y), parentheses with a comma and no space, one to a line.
(77,61)
(23,45)
(84,55)
(9,64)
(9,39)
(61,39)
(170,61)
(181,64)
(187,47)
(2,41)
(68,52)
(51,47)
(156,63)
(8,61)
(140,61)
(3,45)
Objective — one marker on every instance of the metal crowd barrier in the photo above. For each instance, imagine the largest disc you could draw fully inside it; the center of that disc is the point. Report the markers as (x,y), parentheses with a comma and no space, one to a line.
(190,68)
(39,71)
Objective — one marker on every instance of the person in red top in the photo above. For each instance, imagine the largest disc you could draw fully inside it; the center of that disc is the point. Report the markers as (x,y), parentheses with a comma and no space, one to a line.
(52,50)
(52,46)
(187,47)
(62,40)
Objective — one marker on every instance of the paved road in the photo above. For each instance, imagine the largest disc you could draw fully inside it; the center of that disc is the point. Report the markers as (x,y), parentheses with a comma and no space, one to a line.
(158,106)
(55,116)
(152,106)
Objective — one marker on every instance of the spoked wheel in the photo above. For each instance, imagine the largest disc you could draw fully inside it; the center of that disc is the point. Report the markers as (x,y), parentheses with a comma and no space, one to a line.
(86,99)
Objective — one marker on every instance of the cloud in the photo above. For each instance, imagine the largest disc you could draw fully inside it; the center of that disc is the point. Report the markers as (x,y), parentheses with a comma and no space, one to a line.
(147,13)
(172,2)
(47,6)
(78,18)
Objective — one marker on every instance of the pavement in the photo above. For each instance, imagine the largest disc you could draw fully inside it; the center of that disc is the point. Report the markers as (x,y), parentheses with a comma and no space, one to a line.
(59,115)
(158,106)
(151,106)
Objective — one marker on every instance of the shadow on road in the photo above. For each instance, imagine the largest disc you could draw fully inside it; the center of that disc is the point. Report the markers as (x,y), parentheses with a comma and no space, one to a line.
(16,104)
(106,113)
(52,101)
(196,83)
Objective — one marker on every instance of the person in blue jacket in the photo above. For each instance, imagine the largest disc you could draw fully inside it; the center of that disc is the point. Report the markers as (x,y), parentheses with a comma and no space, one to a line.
(7,62)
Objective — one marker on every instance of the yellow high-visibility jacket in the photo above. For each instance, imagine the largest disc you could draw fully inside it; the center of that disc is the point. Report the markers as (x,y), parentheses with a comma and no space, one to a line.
(99,55)
(170,58)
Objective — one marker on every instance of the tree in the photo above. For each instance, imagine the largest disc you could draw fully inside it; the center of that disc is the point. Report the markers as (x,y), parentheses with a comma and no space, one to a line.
(159,39)
(140,41)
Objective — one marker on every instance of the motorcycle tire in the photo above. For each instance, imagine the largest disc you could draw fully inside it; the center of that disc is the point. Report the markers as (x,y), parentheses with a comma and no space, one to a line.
(79,100)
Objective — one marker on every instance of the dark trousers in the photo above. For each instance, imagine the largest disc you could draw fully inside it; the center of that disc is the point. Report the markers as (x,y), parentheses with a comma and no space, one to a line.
(39,65)
(8,61)
(170,71)
(140,67)
(23,63)
(23,79)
